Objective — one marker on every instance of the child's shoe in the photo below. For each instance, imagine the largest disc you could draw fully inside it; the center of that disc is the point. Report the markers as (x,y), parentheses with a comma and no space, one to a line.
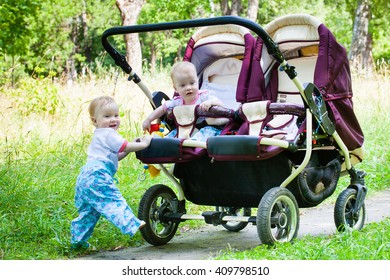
(82,246)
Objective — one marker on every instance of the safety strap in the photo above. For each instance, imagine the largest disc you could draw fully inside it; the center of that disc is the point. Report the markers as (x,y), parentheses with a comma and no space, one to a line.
(185,118)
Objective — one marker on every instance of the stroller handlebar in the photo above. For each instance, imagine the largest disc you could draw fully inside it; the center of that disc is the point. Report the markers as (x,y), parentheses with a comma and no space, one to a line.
(120,59)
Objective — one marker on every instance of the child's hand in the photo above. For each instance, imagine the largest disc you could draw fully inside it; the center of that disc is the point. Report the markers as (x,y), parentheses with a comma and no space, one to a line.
(146,139)
(146,125)
(206,105)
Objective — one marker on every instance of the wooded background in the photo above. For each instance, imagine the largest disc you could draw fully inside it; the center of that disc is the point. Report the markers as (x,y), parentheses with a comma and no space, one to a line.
(61,38)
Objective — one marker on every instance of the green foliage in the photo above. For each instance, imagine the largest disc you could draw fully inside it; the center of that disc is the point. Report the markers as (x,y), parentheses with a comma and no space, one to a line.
(165,47)
(381,37)
(15,19)
(35,96)
(340,21)
(36,38)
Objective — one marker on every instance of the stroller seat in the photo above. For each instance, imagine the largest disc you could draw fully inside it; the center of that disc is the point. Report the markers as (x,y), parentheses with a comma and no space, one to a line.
(221,77)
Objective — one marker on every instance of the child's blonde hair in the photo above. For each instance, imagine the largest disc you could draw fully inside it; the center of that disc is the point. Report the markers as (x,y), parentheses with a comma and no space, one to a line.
(182,66)
(99,101)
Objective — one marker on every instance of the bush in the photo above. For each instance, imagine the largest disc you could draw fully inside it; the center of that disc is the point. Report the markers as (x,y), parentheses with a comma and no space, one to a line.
(35,96)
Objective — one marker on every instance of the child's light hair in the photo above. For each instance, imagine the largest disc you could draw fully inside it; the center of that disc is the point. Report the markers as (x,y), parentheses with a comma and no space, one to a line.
(182,66)
(99,101)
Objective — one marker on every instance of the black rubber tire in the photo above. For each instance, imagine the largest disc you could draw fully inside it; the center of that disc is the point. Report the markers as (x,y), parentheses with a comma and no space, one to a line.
(277,216)
(156,202)
(343,217)
(233,211)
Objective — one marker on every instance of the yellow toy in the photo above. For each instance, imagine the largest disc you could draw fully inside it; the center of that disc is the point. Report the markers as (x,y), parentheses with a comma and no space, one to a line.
(156,130)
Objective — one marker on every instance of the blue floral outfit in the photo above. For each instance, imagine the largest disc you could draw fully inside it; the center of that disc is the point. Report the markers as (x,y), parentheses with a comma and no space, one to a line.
(96,192)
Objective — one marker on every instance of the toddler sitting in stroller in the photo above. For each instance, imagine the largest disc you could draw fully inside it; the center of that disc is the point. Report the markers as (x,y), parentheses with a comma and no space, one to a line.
(186,85)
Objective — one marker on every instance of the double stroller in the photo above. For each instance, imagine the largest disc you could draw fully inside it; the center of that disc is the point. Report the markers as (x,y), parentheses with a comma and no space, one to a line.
(286,144)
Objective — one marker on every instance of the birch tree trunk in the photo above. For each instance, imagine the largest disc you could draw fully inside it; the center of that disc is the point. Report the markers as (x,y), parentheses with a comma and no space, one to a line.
(361,47)
(130,10)
(253,6)
(231,8)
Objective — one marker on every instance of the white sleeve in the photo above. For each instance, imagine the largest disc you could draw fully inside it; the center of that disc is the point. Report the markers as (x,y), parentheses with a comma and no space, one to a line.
(115,141)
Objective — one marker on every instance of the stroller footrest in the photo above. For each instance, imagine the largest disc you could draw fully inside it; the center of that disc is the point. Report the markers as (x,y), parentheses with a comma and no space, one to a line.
(213,217)
(168,150)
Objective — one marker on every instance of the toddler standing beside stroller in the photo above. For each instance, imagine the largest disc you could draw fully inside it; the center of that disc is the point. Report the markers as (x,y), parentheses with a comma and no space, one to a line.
(96,193)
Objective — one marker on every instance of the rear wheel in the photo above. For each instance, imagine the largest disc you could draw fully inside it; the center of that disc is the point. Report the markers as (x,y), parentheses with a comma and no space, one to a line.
(233,211)
(344,217)
(156,202)
(277,216)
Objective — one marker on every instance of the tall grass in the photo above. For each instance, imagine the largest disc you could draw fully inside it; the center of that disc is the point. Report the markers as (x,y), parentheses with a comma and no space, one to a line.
(372,105)
(42,153)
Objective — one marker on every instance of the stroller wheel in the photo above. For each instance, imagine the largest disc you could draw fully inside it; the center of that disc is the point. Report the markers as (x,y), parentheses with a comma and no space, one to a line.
(233,211)
(156,202)
(277,216)
(344,216)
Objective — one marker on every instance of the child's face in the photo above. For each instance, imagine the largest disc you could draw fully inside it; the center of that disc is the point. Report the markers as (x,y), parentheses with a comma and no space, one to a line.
(107,116)
(186,85)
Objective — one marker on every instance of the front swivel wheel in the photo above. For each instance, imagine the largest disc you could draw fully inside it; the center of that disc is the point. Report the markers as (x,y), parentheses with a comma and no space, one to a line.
(345,215)
(156,202)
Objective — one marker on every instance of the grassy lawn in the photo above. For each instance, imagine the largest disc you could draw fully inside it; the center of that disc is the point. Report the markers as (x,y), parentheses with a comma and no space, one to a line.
(42,153)
(371,243)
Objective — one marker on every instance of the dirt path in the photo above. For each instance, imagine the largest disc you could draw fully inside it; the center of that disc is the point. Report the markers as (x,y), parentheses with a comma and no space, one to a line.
(209,240)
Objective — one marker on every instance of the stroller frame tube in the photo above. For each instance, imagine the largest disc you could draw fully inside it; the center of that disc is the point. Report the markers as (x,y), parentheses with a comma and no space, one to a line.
(309,145)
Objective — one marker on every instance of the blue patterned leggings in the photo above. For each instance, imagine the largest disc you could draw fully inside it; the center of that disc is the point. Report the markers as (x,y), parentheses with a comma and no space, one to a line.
(96,195)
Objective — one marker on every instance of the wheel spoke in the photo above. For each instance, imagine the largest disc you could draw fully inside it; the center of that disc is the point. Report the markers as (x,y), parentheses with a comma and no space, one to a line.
(274,220)
(279,205)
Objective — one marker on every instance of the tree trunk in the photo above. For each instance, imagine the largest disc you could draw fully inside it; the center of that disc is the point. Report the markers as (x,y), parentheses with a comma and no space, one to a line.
(253,6)
(361,47)
(233,10)
(153,59)
(70,63)
(130,10)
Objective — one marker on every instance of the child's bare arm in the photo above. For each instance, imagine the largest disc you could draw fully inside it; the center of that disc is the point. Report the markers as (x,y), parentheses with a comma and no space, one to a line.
(206,105)
(135,146)
(157,113)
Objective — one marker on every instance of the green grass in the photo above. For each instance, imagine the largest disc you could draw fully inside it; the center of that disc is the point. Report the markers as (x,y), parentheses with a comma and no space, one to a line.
(41,155)
(371,243)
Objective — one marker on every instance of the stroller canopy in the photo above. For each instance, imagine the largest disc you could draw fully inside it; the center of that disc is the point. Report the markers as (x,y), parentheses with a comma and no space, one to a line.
(297,34)
(222,55)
